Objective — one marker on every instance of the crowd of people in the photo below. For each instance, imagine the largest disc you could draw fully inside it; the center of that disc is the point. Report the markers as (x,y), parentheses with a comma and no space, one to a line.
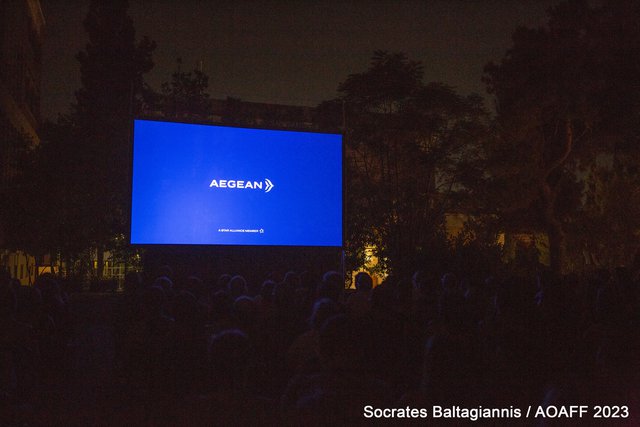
(306,351)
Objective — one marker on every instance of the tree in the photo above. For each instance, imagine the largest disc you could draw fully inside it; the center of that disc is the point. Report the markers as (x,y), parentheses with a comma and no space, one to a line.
(112,68)
(403,138)
(561,92)
(185,96)
(606,231)
(15,157)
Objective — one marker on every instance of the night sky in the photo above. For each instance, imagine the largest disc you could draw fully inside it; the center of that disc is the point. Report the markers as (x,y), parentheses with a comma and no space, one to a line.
(294,52)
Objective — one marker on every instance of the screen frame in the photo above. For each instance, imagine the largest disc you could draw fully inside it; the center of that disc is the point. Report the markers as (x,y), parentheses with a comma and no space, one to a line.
(237,126)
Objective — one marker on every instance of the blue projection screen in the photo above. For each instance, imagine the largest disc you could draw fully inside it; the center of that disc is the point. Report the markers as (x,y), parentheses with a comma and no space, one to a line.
(215,185)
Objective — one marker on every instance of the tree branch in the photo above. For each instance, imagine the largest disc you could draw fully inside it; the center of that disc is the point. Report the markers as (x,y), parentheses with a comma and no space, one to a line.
(568,147)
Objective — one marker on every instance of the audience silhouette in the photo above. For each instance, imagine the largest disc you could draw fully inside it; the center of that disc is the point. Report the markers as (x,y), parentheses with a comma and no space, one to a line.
(223,350)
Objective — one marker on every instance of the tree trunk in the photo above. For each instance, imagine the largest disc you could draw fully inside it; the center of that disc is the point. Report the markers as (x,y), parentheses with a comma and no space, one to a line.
(26,267)
(68,270)
(52,264)
(36,268)
(100,262)
(555,231)
(557,247)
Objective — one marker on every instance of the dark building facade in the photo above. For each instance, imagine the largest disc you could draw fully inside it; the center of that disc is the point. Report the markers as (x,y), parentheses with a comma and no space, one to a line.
(21,35)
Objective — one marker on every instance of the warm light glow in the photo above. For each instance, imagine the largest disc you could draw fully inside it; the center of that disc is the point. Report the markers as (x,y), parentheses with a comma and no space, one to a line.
(370,263)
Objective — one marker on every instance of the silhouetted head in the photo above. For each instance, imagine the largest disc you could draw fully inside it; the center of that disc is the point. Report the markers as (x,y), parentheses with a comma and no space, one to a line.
(185,307)
(5,277)
(266,290)
(382,296)
(514,296)
(607,305)
(132,282)
(403,291)
(166,271)
(421,282)
(237,286)
(283,296)
(30,302)
(363,282)
(322,310)
(222,282)
(451,309)
(8,302)
(291,278)
(331,286)
(449,282)
(164,282)
(196,286)
(448,367)
(51,295)
(220,306)
(245,310)
(154,300)
(337,344)
(229,357)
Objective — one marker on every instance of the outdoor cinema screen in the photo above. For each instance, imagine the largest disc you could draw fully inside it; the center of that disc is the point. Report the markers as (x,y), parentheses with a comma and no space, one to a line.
(216,185)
